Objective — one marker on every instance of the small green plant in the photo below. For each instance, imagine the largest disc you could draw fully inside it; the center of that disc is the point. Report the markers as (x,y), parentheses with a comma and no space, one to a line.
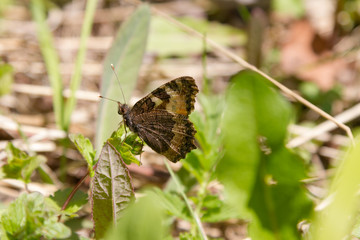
(20,165)
(31,215)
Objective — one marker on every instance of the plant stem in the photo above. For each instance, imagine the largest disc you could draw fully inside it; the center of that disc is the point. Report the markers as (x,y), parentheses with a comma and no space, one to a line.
(71,195)
(206,83)
(63,163)
(180,190)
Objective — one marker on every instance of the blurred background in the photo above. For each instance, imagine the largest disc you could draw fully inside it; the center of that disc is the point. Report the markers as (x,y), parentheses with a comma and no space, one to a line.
(312,47)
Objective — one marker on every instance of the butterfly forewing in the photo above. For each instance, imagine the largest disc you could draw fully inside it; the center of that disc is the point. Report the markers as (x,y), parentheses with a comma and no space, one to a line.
(176,96)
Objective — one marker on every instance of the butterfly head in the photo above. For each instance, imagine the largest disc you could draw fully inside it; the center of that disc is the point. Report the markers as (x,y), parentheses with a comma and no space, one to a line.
(122,108)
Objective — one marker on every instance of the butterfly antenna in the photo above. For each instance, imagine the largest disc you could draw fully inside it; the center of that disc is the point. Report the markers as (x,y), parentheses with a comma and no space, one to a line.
(108,99)
(112,66)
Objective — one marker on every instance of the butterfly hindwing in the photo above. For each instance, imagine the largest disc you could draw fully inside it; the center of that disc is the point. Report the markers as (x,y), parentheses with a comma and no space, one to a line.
(168,134)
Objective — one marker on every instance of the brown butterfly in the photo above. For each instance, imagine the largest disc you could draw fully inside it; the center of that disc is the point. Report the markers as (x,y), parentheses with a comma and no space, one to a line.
(161,118)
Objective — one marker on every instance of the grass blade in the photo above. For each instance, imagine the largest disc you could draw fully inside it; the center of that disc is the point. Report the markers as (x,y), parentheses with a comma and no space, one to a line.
(76,77)
(51,59)
(337,218)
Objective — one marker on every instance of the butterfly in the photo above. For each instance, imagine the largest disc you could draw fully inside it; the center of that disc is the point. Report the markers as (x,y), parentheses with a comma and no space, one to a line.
(161,119)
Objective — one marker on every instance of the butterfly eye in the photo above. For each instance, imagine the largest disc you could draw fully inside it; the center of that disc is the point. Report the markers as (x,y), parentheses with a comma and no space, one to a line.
(122,108)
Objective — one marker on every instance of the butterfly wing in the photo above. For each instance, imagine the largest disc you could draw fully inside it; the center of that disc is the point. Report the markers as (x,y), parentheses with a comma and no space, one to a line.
(161,118)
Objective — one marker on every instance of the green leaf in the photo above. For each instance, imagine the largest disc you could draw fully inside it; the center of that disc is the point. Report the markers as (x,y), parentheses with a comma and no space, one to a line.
(342,203)
(53,229)
(170,201)
(356,231)
(192,164)
(126,55)
(19,164)
(86,149)
(291,8)
(187,236)
(216,210)
(51,59)
(143,220)
(322,99)
(201,160)
(6,78)
(14,218)
(4,4)
(167,40)
(127,145)
(112,190)
(77,202)
(29,218)
(261,177)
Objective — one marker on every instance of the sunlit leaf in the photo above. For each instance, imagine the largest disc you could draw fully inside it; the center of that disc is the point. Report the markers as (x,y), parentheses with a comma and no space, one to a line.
(86,149)
(167,40)
(127,145)
(112,190)
(76,203)
(171,202)
(19,164)
(29,217)
(216,210)
(291,8)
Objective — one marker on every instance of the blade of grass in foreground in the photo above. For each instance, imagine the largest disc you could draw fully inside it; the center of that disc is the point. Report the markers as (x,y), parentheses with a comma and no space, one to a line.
(76,77)
(337,218)
(51,59)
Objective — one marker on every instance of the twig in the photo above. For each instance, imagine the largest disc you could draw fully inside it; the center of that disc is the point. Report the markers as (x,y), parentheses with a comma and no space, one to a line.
(47,91)
(10,125)
(71,195)
(44,189)
(337,139)
(180,190)
(77,186)
(45,146)
(326,126)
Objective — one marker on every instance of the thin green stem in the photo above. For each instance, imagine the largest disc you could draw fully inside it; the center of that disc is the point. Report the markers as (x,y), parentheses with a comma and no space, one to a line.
(181,191)
(63,163)
(207,83)
(201,193)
